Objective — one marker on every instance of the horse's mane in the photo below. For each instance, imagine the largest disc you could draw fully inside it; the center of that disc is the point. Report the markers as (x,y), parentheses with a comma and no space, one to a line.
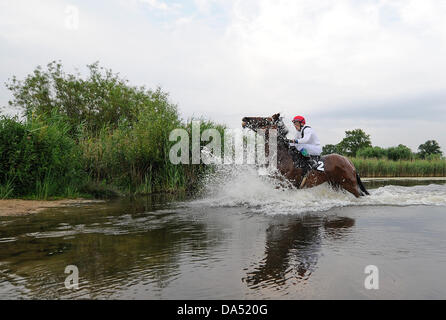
(282,131)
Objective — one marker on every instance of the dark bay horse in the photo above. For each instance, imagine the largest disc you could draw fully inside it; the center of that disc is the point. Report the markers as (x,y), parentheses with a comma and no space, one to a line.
(338,171)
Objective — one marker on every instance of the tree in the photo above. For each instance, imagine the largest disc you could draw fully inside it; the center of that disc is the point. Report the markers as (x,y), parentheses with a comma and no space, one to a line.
(354,140)
(430,147)
(329,149)
(102,99)
(371,152)
(401,152)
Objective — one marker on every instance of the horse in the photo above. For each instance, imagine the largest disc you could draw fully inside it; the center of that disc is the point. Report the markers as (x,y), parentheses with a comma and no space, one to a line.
(337,170)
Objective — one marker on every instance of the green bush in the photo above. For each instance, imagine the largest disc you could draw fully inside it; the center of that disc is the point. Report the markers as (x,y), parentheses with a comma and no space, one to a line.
(39,157)
(399,153)
(371,152)
(135,157)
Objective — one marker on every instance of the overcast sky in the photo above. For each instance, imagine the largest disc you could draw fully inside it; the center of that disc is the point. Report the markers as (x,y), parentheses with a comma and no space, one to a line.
(379,65)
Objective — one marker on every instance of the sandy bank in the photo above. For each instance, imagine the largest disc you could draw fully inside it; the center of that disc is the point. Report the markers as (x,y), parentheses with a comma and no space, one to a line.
(22,207)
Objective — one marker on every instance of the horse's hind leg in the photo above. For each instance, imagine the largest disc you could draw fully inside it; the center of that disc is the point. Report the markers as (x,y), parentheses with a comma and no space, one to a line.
(352,187)
(347,184)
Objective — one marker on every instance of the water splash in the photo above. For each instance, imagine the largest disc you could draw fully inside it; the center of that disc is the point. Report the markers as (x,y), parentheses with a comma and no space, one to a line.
(243,186)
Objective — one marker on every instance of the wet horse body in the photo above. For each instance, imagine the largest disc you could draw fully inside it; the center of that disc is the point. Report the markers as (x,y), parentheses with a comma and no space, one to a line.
(339,171)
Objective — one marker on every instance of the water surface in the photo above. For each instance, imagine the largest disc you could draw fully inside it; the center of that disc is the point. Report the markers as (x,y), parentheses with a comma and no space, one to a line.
(241,239)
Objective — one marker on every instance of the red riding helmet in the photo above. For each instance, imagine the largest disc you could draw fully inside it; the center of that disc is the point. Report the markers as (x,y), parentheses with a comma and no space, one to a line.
(299,119)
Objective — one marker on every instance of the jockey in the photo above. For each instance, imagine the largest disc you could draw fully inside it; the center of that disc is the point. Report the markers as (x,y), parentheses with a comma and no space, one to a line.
(306,140)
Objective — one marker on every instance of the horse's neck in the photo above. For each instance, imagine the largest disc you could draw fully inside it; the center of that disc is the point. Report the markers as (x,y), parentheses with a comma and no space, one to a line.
(282,148)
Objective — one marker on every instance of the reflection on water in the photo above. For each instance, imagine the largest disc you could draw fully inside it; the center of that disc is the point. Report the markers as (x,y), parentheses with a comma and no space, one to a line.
(169,247)
(292,249)
(114,245)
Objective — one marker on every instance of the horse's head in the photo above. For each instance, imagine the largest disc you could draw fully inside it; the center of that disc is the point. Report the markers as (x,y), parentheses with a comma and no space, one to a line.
(265,123)
(255,123)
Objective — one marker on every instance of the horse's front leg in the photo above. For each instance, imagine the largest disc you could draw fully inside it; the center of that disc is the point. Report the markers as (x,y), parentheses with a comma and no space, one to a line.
(282,182)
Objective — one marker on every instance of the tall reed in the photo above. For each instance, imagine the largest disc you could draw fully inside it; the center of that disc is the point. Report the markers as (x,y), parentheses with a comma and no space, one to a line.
(7,188)
(372,167)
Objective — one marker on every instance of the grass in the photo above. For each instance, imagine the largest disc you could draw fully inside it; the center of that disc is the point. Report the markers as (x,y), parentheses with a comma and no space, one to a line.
(7,189)
(383,168)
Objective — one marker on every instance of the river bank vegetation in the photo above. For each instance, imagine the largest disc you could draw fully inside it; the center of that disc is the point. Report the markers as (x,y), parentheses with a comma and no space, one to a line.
(397,161)
(97,136)
(385,168)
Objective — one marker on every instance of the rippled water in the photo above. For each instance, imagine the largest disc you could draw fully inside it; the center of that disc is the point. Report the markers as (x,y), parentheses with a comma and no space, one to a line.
(241,238)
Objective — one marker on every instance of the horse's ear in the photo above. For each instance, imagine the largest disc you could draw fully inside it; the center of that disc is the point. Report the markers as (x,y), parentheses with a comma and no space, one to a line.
(276,116)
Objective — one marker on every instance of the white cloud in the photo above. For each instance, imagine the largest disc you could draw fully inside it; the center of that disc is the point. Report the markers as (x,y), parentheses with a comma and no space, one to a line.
(203,6)
(156,4)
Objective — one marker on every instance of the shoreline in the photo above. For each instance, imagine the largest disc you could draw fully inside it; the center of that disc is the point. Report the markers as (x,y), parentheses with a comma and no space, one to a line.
(19,207)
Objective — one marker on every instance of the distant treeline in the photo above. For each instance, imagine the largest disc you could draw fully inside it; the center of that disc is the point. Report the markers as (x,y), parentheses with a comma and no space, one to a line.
(358,144)
(96,136)
(399,161)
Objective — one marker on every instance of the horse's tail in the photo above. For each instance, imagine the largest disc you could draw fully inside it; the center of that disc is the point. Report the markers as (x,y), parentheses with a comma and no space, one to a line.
(361,186)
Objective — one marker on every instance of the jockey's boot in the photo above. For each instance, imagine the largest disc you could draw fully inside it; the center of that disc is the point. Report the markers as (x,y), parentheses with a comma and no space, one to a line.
(296,156)
(307,158)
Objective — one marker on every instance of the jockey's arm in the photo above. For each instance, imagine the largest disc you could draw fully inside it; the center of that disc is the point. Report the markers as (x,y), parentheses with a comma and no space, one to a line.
(307,136)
